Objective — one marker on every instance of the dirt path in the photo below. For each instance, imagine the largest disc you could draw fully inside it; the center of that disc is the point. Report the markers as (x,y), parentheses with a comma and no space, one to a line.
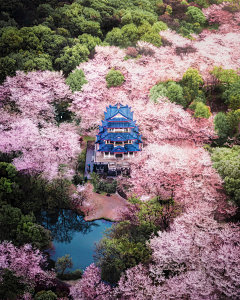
(103,206)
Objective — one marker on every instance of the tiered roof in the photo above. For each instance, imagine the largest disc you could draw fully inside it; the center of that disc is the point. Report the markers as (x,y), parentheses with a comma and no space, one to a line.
(118,116)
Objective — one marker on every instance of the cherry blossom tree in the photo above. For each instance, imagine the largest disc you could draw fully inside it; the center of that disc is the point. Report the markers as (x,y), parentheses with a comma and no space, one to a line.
(28,126)
(90,286)
(196,259)
(26,263)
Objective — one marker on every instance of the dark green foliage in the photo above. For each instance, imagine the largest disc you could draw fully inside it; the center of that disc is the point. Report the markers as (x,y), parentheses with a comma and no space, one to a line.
(10,286)
(45,295)
(233,90)
(103,185)
(120,249)
(201,110)
(114,78)
(191,82)
(124,245)
(228,80)
(152,38)
(20,229)
(77,179)
(195,15)
(89,41)
(227,163)
(6,21)
(76,80)
(72,57)
(169,89)
(30,194)
(63,263)
(234,102)
(62,112)
(77,274)
(233,120)
(221,126)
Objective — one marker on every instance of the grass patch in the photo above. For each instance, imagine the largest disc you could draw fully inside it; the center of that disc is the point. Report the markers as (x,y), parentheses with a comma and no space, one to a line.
(87,138)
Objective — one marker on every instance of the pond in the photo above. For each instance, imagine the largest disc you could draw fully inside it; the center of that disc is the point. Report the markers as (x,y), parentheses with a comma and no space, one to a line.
(72,235)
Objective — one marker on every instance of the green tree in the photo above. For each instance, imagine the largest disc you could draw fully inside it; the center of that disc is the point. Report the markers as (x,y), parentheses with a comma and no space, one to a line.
(114,78)
(195,15)
(115,37)
(115,254)
(190,82)
(10,40)
(234,102)
(233,121)
(72,57)
(21,229)
(175,93)
(152,38)
(202,111)
(159,26)
(6,20)
(76,80)
(130,34)
(227,163)
(45,295)
(10,285)
(158,91)
(221,125)
(225,77)
(232,90)
(63,263)
(90,41)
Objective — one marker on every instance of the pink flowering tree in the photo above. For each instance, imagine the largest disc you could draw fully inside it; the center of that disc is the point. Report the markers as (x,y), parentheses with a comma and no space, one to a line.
(28,126)
(26,263)
(90,286)
(195,260)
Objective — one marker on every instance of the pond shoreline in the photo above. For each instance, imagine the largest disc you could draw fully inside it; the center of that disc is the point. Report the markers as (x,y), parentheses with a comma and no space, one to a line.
(102,206)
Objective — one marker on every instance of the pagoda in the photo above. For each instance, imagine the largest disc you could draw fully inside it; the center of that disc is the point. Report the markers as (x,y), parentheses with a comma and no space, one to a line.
(118,139)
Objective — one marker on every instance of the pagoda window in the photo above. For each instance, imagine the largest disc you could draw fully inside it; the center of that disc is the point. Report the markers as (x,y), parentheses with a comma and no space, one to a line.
(118,143)
(111,129)
(131,153)
(106,153)
(126,130)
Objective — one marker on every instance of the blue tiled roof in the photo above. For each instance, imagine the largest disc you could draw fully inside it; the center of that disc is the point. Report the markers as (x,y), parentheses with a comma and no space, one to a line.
(113,110)
(122,136)
(107,124)
(117,149)
(126,121)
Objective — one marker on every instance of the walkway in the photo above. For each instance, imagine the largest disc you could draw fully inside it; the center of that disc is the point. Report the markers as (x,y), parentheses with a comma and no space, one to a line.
(89,155)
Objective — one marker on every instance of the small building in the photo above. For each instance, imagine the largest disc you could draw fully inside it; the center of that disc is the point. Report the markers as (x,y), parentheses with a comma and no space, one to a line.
(118,140)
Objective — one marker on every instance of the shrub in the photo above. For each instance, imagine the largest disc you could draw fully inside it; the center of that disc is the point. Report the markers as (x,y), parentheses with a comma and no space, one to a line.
(152,38)
(45,295)
(202,110)
(196,15)
(77,179)
(159,26)
(175,93)
(77,274)
(115,37)
(221,126)
(114,78)
(76,80)
(234,102)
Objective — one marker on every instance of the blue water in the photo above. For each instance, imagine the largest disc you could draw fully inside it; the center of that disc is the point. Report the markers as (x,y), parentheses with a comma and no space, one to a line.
(72,235)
